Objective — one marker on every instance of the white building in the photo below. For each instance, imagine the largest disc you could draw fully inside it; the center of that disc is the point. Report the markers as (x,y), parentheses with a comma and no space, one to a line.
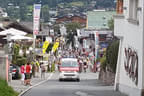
(129,27)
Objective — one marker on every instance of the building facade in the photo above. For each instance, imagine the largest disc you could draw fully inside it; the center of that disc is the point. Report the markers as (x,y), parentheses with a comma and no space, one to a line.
(99,19)
(129,27)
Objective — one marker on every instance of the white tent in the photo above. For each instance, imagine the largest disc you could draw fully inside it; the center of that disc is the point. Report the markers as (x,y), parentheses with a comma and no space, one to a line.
(19,37)
(12,31)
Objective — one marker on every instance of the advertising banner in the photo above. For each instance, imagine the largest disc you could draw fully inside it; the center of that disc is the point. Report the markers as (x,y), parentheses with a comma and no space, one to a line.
(96,44)
(36,18)
(55,46)
(45,46)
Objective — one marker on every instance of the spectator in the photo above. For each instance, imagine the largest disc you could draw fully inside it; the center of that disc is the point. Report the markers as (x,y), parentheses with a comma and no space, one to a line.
(43,70)
(28,76)
(22,70)
(85,66)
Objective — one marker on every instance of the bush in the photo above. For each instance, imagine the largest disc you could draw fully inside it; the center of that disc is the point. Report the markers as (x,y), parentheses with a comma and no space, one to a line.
(21,60)
(16,53)
(103,63)
(6,90)
(111,55)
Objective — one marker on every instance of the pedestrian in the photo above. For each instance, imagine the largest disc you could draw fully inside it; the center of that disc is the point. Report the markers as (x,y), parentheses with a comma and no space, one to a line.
(28,74)
(31,71)
(85,66)
(22,71)
(42,70)
(37,69)
(80,65)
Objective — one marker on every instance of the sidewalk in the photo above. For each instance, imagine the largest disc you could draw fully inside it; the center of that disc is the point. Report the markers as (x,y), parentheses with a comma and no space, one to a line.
(17,86)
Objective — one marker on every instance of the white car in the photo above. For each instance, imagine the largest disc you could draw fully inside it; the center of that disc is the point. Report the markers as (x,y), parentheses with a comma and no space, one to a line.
(69,69)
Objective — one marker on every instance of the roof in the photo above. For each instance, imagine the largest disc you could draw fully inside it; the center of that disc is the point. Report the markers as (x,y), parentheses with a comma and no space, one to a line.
(19,26)
(99,19)
(78,17)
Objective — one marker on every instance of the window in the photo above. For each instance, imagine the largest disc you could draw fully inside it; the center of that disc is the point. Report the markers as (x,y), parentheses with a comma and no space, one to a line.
(133,6)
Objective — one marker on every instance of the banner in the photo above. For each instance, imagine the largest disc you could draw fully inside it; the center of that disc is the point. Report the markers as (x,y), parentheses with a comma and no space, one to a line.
(56,45)
(45,46)
(36,18)
(96,44)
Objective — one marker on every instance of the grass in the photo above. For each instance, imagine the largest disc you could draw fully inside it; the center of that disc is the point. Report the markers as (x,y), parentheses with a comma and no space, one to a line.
(6,90)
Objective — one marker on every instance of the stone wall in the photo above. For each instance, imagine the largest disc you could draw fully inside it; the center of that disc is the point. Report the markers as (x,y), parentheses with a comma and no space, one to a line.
(2,65)
(107,77)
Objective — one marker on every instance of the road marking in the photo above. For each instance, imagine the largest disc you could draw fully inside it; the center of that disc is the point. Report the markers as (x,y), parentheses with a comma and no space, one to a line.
(36,85)
(79,93)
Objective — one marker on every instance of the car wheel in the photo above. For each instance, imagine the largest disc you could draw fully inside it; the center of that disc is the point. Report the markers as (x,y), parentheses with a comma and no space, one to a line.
(60,79)
(78,80)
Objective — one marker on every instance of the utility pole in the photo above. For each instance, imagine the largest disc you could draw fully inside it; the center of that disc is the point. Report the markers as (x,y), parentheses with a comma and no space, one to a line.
(36,19)
(96,49)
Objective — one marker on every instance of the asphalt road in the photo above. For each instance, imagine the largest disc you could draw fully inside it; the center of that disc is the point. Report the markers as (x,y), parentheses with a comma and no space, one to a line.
(88,86)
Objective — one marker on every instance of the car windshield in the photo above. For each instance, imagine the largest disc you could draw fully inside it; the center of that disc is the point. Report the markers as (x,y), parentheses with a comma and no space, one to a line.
(69,64)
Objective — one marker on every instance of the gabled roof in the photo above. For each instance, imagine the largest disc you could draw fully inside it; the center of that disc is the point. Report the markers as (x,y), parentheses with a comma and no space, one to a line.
(78,17)
(18,26)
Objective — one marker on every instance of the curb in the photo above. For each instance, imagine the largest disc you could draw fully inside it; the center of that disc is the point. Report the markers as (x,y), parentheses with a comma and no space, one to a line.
(35,85)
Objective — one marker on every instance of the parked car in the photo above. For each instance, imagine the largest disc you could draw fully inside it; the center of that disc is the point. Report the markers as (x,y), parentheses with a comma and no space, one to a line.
(14,70)
(69,69)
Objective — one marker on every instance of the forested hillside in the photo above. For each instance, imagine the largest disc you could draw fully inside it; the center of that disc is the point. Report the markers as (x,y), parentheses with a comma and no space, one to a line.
(53,3)
(23,9)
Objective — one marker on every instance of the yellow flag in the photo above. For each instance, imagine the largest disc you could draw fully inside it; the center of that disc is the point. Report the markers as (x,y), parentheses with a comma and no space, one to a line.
(55,46)
(45,45)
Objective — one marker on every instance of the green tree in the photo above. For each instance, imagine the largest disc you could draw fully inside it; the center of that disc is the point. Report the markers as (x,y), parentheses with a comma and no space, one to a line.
(23,12)
(72,31)
(111,55)
(13,12)
(111,24)
(16,53)
(45,13)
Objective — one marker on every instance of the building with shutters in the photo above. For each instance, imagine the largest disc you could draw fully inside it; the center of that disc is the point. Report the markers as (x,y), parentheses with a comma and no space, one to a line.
(129,28)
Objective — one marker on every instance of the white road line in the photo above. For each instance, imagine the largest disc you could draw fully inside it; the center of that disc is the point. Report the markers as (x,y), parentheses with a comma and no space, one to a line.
(36,85)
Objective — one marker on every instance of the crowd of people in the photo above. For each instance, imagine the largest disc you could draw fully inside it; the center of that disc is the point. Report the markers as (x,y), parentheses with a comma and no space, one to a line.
(83,60)
(26,74)
(28,70)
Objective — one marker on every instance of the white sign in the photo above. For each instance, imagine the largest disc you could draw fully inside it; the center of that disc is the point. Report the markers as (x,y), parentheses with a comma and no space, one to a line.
(36,18)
